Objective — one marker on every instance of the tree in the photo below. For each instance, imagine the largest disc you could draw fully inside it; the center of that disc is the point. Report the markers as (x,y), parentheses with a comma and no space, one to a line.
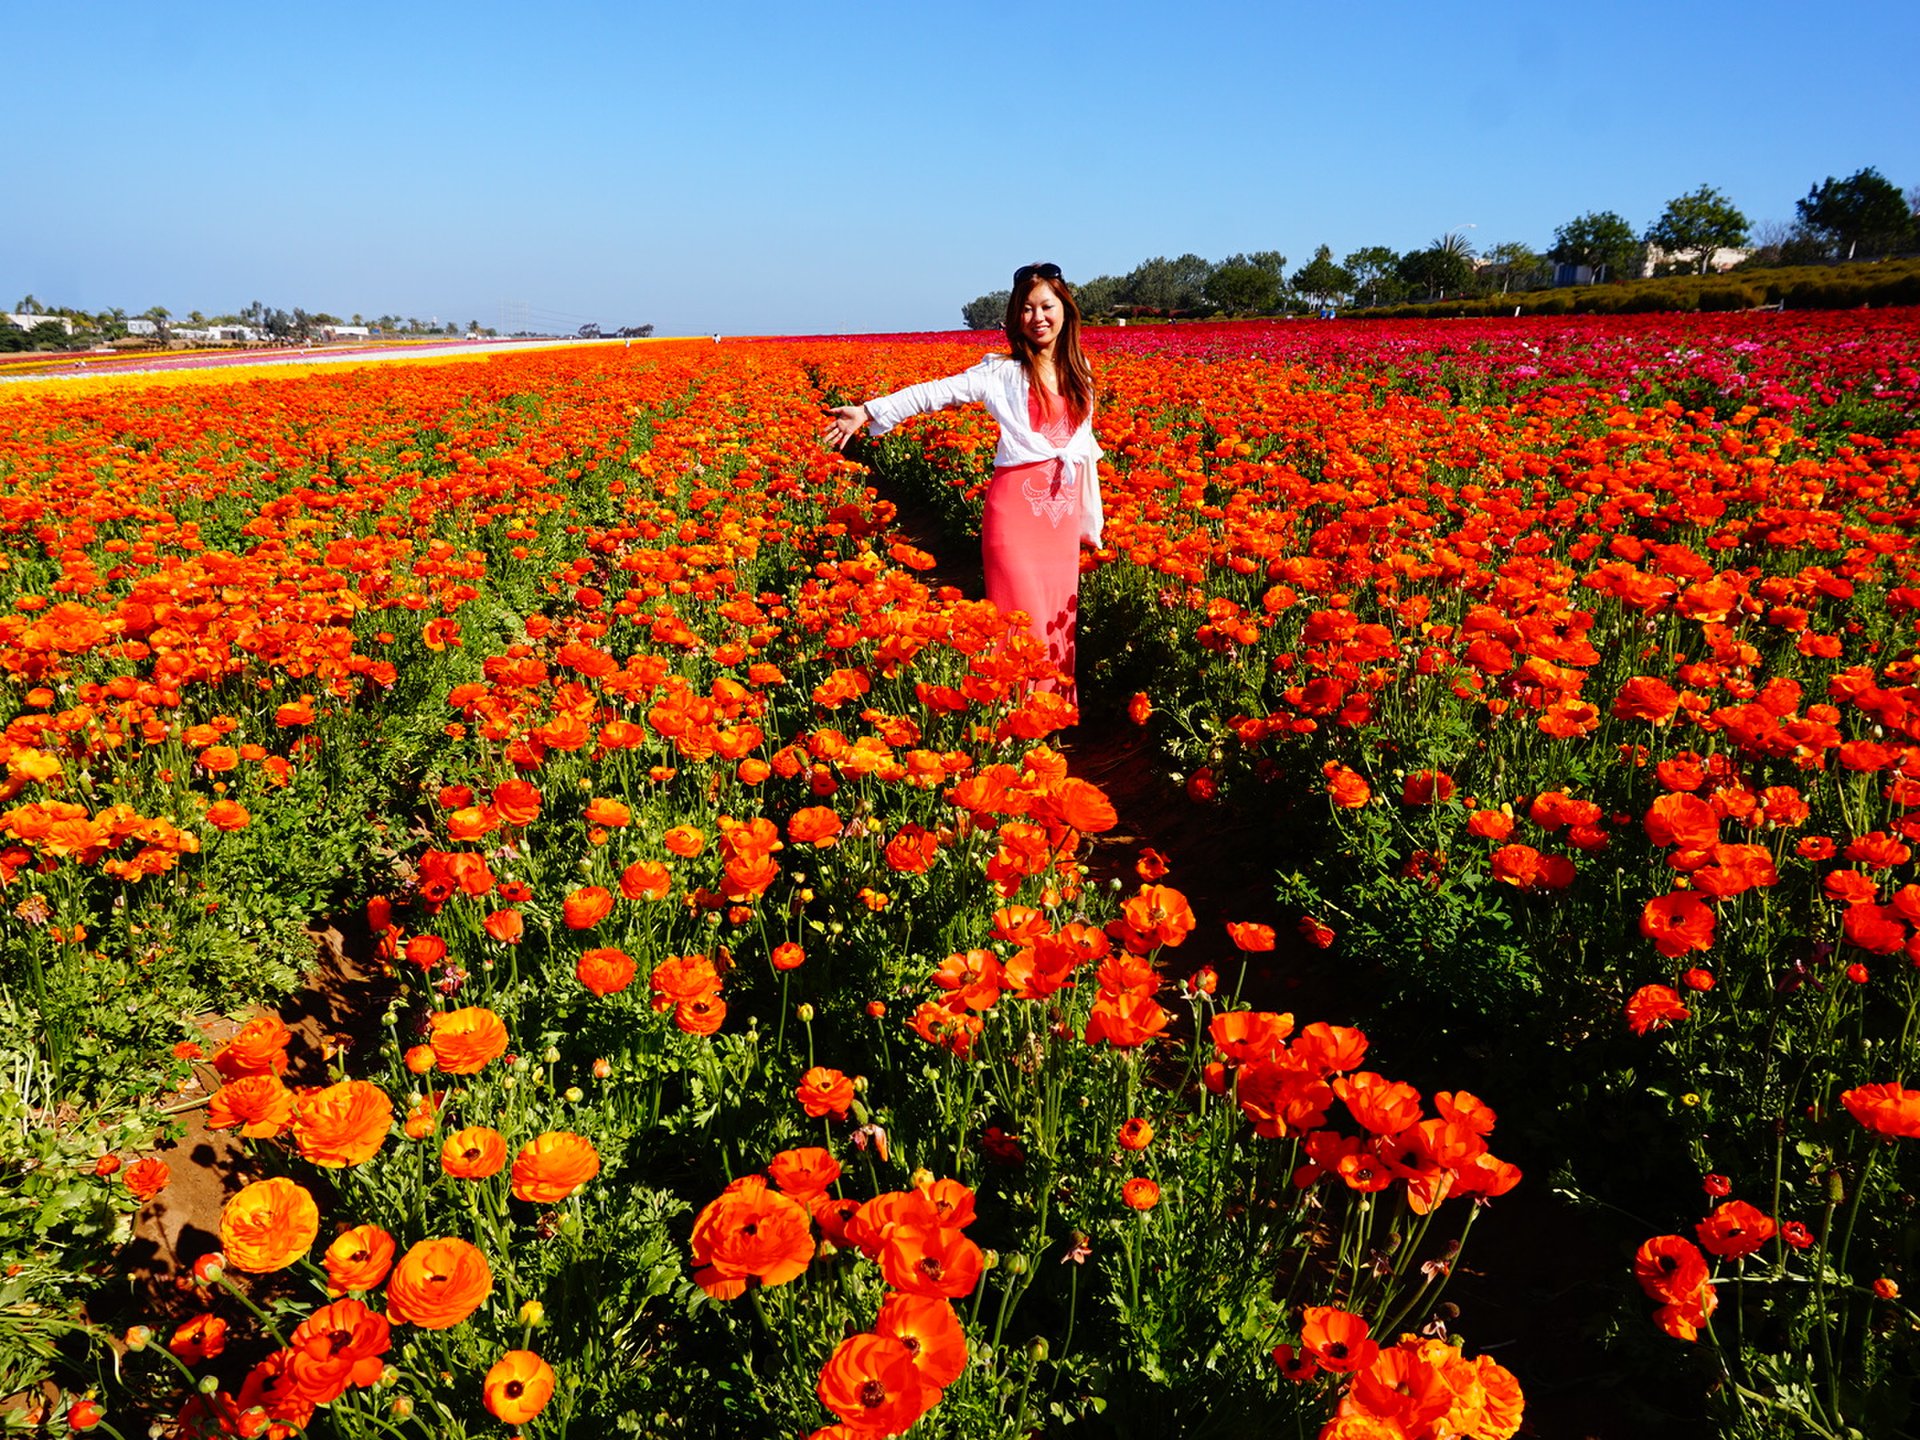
(1376,280)
(1436,271)
(1167,287)
(989,312)
(1098,296)
(1516,265)
(160,316)
(1247,284)
(29,306)
(1862,214)
(1696,225)
(1601,240)
(1322,280)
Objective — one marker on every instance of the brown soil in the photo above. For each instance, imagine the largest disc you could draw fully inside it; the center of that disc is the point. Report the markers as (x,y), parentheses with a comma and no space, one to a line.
(338,1009)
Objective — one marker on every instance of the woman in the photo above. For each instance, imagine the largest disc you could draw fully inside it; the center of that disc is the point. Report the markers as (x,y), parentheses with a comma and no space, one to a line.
(1045,496)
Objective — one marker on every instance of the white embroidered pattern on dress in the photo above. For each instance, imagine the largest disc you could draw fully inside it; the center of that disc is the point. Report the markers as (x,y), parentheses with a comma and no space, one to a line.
(1050,498)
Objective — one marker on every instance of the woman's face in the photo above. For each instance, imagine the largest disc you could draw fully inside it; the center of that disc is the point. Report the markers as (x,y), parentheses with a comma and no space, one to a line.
(1041,315)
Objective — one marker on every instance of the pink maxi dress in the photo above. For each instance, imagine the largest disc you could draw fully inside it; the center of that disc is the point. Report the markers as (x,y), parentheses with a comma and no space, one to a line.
(1030,538)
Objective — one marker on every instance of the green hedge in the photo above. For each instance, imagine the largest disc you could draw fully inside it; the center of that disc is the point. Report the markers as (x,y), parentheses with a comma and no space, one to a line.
(1801,287)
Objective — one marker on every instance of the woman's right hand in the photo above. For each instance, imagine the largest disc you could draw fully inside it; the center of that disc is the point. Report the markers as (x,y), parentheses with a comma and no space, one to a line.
(847,422)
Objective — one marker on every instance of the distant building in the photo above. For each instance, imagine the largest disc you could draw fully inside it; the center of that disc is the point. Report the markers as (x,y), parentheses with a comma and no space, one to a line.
(346,332)
(27,322)
(141,326)
(1566,274)
(1656,259)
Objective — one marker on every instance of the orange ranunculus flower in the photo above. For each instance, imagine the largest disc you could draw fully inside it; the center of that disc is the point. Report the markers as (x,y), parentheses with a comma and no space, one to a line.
(344,1124)
(1084,806)
(552,1166)
(1337,1339)
(928,1327)
(1136,1134)
(816,825)
(1735,1230)
(586,907)
(517,802)
(750,1231)
(1140,1193)
(1652,1006)
(228,815)
(1426,787)
(259,1047)
(680,978)
(259,1104)
(268,1225)
(804,1173)
(684,841)
(1156,915)
(1125,1020)
(931,1260)
(646,880)
(1886,1109)
(787,956)
(1249,936)
(1677,923)
(507,926)
(465,1040)
(1669,1268)
(874,1385)
(203,1337)
(146,1178)
(426,951)
(338,1345)
(471,822)
(1346,788)
(473,1153)
(1382,1106)
(518,1387)
(358,1259)
(438,1283)
(823,1091)
(605,971)
(702,1015)
(610,813)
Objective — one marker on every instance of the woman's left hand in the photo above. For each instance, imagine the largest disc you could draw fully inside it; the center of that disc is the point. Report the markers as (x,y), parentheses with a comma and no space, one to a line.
(847,422)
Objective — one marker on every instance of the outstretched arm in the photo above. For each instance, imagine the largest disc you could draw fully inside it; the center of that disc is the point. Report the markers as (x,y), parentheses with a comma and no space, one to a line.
(882,413)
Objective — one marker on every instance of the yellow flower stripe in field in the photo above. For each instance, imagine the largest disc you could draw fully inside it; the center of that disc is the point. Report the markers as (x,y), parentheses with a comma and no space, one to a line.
(66,385)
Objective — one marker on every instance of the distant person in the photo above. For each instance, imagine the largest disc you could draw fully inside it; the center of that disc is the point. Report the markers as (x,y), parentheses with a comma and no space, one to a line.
(716,337)
(1044,500)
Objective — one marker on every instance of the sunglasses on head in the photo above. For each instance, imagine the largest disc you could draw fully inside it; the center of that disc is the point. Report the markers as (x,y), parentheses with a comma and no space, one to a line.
(1028,272)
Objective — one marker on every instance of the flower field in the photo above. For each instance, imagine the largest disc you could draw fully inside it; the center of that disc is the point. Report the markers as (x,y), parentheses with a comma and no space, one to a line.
(753,1052)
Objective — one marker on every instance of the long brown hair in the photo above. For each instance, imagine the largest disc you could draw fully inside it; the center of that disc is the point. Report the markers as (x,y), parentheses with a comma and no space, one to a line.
(1070,368)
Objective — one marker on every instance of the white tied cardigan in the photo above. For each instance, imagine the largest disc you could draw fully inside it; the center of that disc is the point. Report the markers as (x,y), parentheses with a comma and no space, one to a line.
(1000,384)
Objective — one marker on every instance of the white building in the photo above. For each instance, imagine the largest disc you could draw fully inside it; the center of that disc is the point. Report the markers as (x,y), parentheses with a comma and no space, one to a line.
(346,332)
(27,322)
(1724,258)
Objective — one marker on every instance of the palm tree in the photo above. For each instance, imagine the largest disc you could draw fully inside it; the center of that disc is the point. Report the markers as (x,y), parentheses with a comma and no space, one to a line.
(1454,242)
(30,306)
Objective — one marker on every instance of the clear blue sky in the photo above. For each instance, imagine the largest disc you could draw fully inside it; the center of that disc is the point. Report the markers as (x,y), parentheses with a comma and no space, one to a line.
(785,168)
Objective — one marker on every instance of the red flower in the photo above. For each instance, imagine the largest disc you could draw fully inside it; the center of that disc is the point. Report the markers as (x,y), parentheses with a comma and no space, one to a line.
(1652,1006)
(1677,923)
(1734,1230)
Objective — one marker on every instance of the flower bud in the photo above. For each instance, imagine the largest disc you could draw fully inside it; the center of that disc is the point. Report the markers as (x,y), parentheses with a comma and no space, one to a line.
(402,1407)
(532,1313)
(1037,1349)
(574,1094)
(1016,1264)
(552,1057)
(207,1384)
(602,1069)
(138,1336)
(805,1013)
